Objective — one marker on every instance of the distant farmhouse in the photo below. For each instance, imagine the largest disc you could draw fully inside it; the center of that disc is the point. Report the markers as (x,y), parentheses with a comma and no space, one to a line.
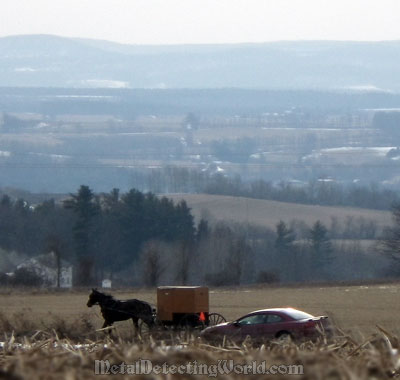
(54,273)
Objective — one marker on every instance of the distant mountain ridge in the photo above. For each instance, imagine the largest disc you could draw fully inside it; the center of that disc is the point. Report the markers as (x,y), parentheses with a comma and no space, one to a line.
(51,61)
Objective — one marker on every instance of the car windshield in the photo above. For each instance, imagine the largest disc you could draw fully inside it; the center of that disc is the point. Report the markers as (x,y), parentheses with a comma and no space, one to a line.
(297,314)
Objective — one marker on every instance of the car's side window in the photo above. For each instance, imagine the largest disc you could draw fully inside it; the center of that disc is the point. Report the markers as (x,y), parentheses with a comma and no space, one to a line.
(273,318)
(253,319)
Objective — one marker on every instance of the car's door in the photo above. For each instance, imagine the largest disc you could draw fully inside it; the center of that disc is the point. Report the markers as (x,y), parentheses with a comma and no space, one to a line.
(273,323)
(251,325)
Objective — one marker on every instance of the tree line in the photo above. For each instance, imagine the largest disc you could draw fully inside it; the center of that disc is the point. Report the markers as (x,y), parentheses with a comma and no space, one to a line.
(137,238)
(319,192)
(100,234)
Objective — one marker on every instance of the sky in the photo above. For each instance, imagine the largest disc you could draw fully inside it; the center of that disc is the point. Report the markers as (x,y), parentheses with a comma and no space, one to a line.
(204,21)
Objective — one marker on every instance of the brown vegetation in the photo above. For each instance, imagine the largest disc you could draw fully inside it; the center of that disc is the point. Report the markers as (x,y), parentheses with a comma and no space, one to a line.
(54,358)
(356,309)
(41,331)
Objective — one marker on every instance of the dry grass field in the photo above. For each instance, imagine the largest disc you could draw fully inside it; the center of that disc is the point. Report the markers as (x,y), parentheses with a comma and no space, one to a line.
(356,309)
(269,213)
(50,355)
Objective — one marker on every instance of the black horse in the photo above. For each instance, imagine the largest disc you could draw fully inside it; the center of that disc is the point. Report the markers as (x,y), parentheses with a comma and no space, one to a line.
(114,310)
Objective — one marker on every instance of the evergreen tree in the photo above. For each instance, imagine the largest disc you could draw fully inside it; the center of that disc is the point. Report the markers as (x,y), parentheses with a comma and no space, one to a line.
(7,223)
(184,226)
(133,224)
(203,231)
(85,207)
(284,238)
(321,246)
(102,234)
(286,252)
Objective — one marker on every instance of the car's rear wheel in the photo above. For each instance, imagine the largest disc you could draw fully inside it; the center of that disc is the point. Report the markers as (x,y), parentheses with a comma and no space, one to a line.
(284,336)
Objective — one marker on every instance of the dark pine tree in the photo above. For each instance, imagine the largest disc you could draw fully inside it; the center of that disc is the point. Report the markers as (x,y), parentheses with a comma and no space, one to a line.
(321,247)
(285,250)
(84,206)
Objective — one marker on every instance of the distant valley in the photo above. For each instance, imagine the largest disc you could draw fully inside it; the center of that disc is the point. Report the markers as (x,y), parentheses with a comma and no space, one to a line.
(77,111)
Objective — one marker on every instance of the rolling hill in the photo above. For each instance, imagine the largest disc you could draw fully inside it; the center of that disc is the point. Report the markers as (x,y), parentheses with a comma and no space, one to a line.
(51,61)
(268,213)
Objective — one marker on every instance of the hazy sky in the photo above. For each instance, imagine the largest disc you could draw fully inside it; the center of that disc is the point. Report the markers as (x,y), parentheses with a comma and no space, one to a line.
(204,21)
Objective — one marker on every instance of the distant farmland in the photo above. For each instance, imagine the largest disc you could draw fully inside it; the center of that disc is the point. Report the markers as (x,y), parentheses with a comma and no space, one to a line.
(269,213)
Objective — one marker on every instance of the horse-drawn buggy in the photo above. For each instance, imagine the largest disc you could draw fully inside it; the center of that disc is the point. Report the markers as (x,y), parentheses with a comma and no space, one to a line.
(178,308)
(181,308)
(185,306)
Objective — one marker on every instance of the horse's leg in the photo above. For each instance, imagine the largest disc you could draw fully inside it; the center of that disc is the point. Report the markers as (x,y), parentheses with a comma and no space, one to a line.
(136,324)
(107,324)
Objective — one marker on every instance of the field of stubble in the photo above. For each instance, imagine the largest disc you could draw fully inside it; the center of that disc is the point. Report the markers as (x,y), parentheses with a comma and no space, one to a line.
(41,331)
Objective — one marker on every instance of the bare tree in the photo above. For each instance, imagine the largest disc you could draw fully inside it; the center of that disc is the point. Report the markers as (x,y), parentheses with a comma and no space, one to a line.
(55,245)
(152,263)
(237,259)
(390,244)
(183,263)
